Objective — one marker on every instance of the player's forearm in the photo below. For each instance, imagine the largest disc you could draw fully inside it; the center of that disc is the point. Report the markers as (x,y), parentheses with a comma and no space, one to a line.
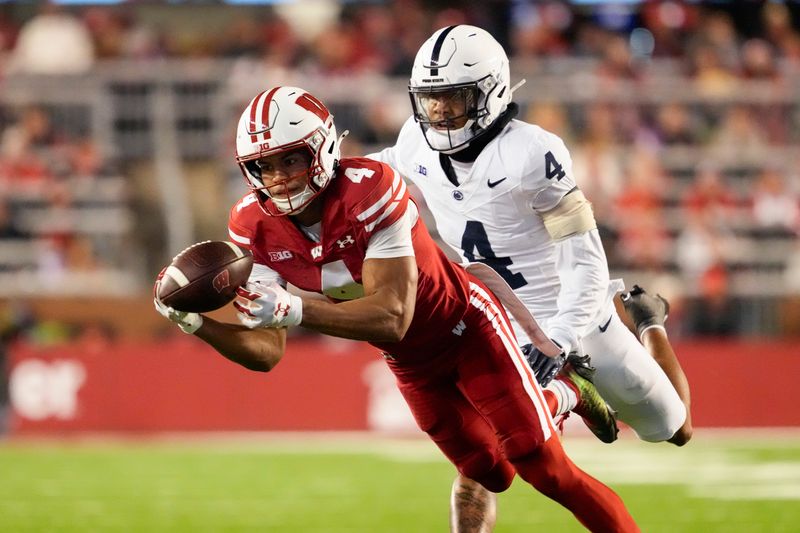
(255,349)
(583,272)
(375,318)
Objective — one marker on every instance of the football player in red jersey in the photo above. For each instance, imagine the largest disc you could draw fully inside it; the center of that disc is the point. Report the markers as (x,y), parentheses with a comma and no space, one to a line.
(347,229)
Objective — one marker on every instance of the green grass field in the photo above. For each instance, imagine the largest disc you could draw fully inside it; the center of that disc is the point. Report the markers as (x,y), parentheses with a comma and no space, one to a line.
(352,484)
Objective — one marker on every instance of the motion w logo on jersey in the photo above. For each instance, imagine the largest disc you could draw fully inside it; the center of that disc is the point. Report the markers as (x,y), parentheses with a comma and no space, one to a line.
(316,252)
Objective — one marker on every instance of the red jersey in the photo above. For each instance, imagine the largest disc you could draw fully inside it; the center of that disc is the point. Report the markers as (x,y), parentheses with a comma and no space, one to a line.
(365,196)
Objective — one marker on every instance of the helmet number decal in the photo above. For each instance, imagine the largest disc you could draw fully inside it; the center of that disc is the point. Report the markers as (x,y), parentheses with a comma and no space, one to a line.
(553,168)
(357,174)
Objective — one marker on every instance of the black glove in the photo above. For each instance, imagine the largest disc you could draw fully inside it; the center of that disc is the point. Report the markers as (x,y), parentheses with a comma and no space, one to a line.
(544,367)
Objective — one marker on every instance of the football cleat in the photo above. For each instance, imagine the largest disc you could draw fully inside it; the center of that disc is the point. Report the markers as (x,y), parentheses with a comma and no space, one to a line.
(596,414)
(645,309)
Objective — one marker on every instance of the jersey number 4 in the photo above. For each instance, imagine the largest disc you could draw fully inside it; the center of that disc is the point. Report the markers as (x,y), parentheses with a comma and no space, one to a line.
(553,168)
(475,239)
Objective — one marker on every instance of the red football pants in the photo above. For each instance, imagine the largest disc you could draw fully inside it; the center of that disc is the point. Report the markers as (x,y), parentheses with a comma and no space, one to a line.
(479,402)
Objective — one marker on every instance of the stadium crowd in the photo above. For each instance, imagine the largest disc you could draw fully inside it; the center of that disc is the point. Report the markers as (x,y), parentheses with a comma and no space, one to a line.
(693,191)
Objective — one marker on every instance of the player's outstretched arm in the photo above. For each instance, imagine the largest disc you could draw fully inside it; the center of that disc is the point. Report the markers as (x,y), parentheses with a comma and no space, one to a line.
(257,349)
(382,315)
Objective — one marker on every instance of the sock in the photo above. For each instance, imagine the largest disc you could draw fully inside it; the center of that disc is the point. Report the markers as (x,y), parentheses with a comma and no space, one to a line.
(562,397)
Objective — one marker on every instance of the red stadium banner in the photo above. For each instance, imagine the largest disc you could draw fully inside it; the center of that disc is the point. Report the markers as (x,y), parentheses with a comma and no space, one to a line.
(180,384)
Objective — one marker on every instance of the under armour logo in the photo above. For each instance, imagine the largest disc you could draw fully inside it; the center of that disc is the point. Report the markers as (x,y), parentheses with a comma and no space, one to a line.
(459,329)
(316,252)
(344,242)
(221,280)
(282,310)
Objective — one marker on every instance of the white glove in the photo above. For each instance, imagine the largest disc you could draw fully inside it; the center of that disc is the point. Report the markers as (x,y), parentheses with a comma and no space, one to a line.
(267,306)
(188,322)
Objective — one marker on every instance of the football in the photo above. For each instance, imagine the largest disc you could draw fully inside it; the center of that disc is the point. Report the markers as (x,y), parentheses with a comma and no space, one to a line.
(204,276)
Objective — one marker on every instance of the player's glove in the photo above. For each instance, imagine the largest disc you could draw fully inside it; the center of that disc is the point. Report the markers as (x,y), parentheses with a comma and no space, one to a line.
(267,306)
(188,322)
(544,367)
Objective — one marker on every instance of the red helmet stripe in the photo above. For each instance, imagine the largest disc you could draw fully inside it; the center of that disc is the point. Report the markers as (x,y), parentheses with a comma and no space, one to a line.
(310,103)
(265,111)
(253,107)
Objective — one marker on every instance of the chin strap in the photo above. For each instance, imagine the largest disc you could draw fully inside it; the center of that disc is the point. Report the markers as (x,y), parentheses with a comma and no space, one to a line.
(471,152)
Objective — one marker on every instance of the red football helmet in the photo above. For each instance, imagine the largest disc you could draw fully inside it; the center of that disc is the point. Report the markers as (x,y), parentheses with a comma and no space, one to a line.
(279,120)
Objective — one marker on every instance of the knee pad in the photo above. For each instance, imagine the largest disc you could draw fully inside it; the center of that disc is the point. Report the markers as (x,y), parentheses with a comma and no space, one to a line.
(494,475)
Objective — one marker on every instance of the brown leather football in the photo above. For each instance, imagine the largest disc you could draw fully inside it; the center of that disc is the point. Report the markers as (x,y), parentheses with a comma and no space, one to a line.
(204,276)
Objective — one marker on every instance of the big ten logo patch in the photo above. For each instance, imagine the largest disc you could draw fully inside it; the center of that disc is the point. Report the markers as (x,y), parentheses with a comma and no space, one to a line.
(46,389)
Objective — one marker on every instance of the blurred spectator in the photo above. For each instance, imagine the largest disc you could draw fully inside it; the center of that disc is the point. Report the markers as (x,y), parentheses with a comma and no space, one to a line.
(617,62)
(758,61)
(739,137)
(669,22)
(53,42)
(118,33)
(711,77)
(552,117)
(709,198)
(23,148)
(776,206)
(643,237)
(8,225)
(714,312)
(676,125)
(699,246)
(540,30)
(597,160)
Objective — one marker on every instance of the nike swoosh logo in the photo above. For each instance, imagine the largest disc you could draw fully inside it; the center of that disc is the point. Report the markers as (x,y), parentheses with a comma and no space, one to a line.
(604,327)
(493,184)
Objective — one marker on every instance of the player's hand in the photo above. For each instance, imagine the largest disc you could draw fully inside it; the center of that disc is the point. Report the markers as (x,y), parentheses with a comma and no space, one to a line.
(188,322)
(267,306)
(544,367)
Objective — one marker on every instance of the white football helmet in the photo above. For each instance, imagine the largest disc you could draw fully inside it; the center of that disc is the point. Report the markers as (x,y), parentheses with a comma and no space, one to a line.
(462,62)
(279,120)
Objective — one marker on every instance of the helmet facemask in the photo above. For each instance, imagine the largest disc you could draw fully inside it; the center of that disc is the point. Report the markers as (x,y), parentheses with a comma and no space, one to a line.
(469,63)
(448,115)
(283,201)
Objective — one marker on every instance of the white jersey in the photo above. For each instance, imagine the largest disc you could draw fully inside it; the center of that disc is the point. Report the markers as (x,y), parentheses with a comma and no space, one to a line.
(490,216)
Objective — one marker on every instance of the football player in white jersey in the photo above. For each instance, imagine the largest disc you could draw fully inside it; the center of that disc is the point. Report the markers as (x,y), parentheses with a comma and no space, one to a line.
(502,193)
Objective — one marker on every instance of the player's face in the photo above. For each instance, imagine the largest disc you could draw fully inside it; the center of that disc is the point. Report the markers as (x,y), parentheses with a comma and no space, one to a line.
(446,110)
(285,174)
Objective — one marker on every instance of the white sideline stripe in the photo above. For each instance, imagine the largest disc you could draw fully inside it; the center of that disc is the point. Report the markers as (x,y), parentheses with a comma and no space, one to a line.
(236,249)
(238,238)
(179,277)
(485,304)
(383,199)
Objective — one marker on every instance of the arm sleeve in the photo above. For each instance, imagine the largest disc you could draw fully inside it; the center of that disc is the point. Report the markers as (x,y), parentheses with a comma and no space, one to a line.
(387,155)
(583,272)
(394,240)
